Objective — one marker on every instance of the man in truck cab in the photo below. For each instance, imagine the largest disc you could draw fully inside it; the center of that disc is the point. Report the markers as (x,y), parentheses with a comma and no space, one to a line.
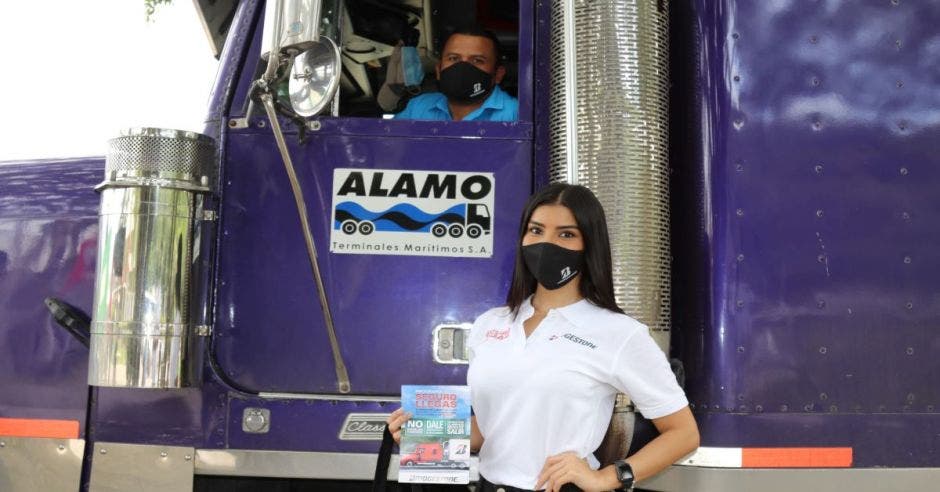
(468,75)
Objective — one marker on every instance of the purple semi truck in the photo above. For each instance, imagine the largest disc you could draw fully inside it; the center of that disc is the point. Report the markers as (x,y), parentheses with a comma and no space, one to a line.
(185,314)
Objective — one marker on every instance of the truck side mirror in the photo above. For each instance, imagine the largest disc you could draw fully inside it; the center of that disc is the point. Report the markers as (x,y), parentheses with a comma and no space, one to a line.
(314,77)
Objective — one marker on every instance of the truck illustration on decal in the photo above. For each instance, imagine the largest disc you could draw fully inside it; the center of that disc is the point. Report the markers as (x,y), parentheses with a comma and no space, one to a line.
(472,219)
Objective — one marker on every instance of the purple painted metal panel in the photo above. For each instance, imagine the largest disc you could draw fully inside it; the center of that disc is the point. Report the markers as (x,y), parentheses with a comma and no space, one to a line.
(527,27)
(182,417)
(244,327)
(302,425)
(704,355)
(541,98)
(243,41)
(249,67)
(48,243)
(269,329)
(48,247)
(45,188)
(820,139)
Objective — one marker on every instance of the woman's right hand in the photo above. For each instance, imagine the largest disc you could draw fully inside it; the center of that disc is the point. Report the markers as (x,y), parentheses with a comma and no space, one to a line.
(395,421)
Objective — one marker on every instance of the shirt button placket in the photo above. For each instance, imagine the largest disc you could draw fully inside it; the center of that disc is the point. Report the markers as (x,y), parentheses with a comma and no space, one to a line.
(519,339)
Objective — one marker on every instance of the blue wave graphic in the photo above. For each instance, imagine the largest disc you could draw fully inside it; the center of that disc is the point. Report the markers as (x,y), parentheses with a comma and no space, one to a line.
(401,217)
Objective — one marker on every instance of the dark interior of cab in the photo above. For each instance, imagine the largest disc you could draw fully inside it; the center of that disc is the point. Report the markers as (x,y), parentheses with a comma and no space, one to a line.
(368,31)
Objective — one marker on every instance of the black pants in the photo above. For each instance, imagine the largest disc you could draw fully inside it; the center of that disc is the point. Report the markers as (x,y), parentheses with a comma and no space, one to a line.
(487,486)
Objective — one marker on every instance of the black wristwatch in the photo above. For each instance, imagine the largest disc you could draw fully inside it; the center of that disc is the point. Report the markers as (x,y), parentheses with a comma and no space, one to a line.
(624,474)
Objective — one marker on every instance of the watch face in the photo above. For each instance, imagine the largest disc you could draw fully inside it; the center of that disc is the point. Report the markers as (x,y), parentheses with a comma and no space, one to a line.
(625,473)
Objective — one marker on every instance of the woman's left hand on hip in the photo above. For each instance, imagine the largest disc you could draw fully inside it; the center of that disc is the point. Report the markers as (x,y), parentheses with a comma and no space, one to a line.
(569,468)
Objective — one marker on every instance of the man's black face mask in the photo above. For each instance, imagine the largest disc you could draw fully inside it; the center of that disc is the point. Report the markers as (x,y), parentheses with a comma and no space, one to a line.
(465,83)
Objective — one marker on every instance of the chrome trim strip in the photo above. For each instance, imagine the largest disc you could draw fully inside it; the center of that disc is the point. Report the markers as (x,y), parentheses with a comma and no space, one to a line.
(684,478)
(328,397)
(361,466)
(140,328)
(166,133)
(571,94)
(297,464)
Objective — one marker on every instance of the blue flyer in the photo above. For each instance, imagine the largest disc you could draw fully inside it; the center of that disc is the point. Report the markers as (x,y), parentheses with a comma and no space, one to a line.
(435,442)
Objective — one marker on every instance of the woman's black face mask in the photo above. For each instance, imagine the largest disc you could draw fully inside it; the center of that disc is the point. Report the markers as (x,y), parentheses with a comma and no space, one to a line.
(551,265)
(465,83)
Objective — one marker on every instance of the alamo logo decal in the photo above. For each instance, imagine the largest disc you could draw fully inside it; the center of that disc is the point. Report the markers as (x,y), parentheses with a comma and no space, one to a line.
(415,213)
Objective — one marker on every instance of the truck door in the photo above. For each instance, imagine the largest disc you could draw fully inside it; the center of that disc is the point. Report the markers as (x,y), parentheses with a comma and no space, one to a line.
(388,289)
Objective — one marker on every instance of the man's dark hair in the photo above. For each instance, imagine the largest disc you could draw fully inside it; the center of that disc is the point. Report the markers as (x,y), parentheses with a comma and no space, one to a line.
(475,30)
(597,285)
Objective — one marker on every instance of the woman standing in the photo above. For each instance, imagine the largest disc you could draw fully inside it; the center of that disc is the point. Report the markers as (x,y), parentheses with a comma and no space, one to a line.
(546,368)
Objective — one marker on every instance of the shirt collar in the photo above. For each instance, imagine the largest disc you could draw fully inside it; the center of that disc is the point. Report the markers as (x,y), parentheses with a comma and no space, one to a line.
(577,313)
(495,100)
(441,104)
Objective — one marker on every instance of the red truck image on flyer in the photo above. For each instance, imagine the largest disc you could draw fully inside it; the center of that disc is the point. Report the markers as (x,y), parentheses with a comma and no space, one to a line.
(427,453)
(436,454)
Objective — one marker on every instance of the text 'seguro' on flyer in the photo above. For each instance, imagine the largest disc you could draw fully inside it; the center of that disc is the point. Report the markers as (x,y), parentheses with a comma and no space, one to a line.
(435,442)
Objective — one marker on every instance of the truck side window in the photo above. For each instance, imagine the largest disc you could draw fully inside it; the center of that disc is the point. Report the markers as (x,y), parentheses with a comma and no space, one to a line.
(371,31)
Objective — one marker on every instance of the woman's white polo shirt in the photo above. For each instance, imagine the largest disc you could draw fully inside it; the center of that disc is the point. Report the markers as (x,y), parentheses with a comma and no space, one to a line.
(554,391)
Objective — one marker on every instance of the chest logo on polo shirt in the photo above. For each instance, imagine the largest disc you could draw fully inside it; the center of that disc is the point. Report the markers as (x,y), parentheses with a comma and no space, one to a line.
(498,334)
(576,339)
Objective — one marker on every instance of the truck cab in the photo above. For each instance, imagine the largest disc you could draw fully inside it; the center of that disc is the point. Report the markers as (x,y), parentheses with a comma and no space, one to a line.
(233,309)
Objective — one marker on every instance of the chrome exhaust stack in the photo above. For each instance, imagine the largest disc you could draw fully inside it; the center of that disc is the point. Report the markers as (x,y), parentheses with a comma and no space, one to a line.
(156,182)
(609,131)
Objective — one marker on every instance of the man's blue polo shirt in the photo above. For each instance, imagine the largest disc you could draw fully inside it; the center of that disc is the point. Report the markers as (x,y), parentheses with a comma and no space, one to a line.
(498,106)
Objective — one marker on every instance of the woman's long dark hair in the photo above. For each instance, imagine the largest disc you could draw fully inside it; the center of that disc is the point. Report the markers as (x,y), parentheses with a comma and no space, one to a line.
(597,285)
